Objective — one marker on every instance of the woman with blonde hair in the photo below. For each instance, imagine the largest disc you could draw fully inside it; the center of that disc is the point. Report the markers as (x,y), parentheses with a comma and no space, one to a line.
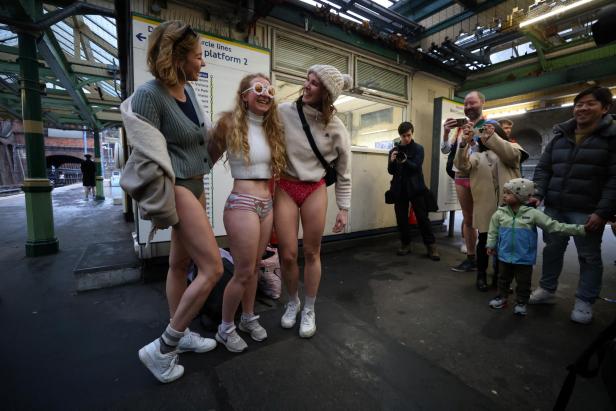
(301,191)
(252,136)
(168,131)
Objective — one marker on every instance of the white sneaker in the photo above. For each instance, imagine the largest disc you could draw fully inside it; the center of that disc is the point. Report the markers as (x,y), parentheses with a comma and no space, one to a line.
(252,326)
(582,312)
(308,325)
(463,249)
(164,367)
(520,309)
(290,315)
(231,340)
(541,296)
(192,341)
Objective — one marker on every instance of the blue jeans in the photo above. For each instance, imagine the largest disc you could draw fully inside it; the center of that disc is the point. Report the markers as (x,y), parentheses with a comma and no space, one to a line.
(589,255)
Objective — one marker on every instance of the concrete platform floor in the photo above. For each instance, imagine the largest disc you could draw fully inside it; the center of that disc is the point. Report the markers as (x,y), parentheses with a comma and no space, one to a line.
(394,333)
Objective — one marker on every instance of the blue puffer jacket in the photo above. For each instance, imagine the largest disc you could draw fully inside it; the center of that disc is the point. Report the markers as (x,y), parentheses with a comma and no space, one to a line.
(514,235)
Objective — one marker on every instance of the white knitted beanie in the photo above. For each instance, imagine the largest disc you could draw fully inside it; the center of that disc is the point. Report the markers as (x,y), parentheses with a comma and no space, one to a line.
(522,188)
(332,79)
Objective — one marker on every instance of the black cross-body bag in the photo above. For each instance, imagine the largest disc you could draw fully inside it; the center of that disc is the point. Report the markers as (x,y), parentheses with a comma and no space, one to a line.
(330,171)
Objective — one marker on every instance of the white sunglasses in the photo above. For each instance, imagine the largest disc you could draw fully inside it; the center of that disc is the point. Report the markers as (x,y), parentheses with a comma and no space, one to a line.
(260,89)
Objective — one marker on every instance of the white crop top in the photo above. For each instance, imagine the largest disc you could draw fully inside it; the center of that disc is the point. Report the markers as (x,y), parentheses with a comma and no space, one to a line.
(260,155)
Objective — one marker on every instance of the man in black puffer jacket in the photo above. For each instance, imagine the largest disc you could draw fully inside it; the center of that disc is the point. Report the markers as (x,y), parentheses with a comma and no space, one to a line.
(576,179)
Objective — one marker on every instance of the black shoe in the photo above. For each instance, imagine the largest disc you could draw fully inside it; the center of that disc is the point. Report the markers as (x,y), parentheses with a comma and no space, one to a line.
(482,284)
(466,266)
(404,249)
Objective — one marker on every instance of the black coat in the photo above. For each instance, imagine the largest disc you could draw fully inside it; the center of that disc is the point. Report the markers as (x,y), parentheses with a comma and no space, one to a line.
(582,177)
(88,173)
(408,179)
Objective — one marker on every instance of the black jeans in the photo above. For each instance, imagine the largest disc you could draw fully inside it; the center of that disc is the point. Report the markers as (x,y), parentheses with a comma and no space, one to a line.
(522,274)
(421,214)
(482,256)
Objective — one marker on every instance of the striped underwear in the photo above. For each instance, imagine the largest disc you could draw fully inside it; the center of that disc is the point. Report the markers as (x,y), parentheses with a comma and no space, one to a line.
(260,206)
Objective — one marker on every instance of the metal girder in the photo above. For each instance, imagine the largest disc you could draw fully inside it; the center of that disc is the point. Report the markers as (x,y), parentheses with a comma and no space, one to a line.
(53,55)
(595,64)
(52,18)
(467,4)
(418,11)
(488,4)
(417,60)
(391,15)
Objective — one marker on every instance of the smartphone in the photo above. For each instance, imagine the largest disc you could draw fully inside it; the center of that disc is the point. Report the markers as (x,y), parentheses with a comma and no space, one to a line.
(461,121)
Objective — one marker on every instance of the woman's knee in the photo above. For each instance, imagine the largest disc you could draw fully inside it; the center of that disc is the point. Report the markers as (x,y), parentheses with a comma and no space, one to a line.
(288,257)
(312,254)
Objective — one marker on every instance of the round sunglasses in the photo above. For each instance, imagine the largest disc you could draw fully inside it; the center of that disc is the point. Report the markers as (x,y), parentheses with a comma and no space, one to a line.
(260,89)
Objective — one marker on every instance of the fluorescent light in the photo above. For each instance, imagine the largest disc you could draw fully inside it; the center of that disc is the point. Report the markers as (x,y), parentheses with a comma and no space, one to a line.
(331,4)
(509,113)
(555,11)
(344,16)
(359,16)
(567,104)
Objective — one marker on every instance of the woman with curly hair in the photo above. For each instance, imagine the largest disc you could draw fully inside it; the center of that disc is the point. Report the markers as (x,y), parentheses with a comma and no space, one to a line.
(252,136)
(168,131)
(301,192)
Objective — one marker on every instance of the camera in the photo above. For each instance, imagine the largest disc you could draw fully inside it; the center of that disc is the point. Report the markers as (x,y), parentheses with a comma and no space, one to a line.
(401,156)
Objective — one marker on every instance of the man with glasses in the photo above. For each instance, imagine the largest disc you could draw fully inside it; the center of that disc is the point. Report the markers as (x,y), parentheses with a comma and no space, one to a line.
(576,179)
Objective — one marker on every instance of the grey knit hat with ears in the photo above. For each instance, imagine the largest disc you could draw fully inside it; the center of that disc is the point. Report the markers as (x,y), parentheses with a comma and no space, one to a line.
(522,188)
(332,79)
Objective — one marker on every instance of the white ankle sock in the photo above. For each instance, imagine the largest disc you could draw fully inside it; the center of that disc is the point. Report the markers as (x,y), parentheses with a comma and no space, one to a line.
(294,299)
(226,327)
(247,316)
(309,303)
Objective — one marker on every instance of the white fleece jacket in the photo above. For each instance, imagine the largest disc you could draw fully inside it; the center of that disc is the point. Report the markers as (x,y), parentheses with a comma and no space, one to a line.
(333,142)
(148,176)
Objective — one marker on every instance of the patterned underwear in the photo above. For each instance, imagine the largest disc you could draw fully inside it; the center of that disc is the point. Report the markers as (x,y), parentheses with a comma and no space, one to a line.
(299,191)
(260,206)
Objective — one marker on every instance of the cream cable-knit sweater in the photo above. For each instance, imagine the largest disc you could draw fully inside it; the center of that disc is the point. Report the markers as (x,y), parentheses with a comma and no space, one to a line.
(333,142)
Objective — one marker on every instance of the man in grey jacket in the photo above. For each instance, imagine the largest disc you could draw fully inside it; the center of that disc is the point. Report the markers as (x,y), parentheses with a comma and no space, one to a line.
(576,179)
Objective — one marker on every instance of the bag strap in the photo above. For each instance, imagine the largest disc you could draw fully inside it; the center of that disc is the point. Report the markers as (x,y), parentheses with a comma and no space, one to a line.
(306,127)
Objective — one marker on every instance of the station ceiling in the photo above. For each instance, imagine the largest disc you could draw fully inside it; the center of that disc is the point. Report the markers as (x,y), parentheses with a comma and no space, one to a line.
(503,47)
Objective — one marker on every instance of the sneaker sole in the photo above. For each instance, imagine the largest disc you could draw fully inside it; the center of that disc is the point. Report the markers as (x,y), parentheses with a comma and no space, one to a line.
(146,360)
(308,334)
(287,326)
(519,314)
(500,307)
(220,340)
(459,270)
(249,332)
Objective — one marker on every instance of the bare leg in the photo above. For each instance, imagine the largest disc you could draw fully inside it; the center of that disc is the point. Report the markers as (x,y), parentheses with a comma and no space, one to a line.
(286,220)
(466,203)
(248,300)
(313,213)
(197,240)
(243,229)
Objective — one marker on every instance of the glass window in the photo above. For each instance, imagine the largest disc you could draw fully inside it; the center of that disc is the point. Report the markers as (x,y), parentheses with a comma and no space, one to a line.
(371,124)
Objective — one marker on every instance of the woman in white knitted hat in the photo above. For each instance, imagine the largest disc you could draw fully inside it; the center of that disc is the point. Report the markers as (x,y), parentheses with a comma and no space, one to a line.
(301,191)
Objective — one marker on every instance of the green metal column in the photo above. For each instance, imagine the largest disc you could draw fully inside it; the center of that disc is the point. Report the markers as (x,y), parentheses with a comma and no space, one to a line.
(100,193)
(37,188)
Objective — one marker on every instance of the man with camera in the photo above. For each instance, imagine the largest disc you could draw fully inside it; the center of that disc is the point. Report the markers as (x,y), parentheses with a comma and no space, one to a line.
(408,186)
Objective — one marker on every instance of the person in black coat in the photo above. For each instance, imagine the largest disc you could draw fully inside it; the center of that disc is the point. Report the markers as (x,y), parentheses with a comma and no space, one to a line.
(408,186)
(576,179)
(88,175)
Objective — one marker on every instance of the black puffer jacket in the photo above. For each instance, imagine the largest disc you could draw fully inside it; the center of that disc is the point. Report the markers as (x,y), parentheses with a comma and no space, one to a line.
(408,179)
(580,178)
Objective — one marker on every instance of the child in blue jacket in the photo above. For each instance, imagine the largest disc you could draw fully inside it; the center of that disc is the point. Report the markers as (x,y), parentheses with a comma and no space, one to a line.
(513,237)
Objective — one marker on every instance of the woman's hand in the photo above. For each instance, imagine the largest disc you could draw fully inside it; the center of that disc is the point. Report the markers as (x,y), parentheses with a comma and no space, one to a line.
(490,251)
(468,134)
(341,221)
(488,131)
